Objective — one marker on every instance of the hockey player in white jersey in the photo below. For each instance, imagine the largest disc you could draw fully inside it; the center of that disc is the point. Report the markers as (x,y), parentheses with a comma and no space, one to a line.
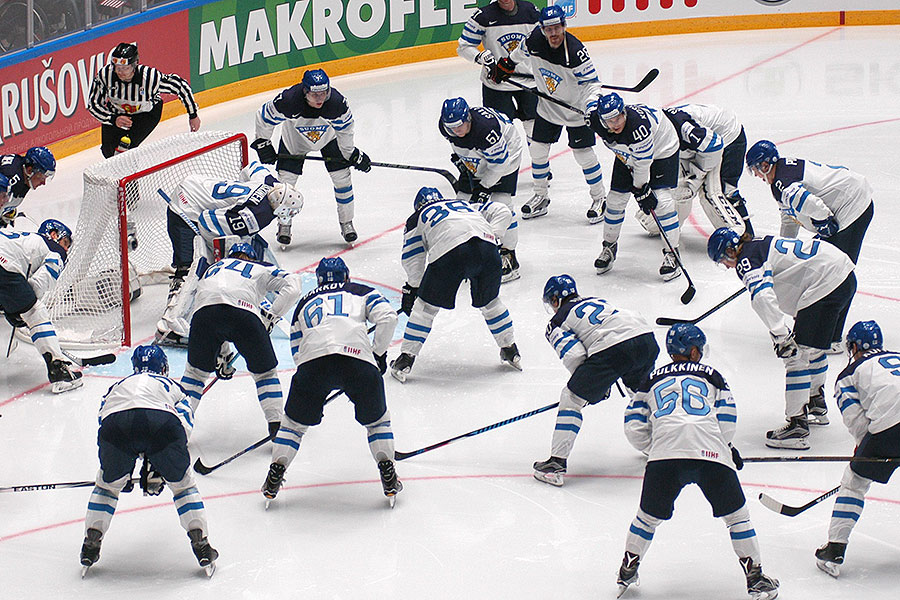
(562,68)
(487,150)
(683,417)
(868,393)
(599,344)
(146,414)
(30,265)
(332,350)
(810,282)
(646,146)
(227,309)
(444,242)
(313,117)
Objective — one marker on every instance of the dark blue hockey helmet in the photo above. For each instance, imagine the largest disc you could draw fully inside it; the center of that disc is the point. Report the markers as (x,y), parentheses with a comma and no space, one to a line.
(681,337)
(610,106)
(5,187)
(760,152)
(866,335)
(559,287)
(332,270)
(243,248)
(553,15)
(315,80)
(150,359)
(721,239)
(426,195)
(40,159)
(455,112)
(51,225)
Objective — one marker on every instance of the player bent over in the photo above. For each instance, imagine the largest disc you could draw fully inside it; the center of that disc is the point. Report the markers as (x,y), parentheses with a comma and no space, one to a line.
(487,150)
(314,117)
(227,309)
(146,414)
(683,418)
(444,242)
(23,173)
(868,393)
(30,265)
(814,283)
(331,348)
(598,344)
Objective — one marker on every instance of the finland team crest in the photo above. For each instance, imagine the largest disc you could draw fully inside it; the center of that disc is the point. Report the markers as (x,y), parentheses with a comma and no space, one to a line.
(551,79)
(511,41)
(471,163)
(313,134)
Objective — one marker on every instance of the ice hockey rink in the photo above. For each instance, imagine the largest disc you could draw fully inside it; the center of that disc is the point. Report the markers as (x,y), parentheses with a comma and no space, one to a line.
(471,521)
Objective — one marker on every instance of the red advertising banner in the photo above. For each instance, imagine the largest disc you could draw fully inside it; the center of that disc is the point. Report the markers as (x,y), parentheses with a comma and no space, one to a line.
(44,100)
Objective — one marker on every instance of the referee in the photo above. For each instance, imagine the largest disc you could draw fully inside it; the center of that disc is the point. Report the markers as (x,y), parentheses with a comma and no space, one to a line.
(125,98)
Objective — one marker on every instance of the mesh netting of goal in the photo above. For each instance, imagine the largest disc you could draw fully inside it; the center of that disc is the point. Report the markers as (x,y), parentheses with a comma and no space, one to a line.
(91,305)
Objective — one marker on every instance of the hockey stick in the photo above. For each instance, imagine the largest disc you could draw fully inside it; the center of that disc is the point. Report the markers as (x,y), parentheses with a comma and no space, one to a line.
(442,172)
(12,339)
(671,321)
(640,87)
(546,97)
(90,361)
(861,459)
(793,511)
(41,487)
(405,455)
(688,294)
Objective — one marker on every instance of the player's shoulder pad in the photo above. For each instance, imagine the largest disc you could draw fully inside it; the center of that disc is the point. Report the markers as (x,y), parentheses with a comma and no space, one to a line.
(335,106)
(635,117)
(54,247)
(536,43)
(851,368)
(575,46)
(753,254)
(787,171)
(412,221)
(290,102)
(358,289)
(563,312)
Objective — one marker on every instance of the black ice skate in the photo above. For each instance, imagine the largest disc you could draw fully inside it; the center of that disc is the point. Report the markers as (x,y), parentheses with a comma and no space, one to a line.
(794,435)
(597,210)
(62,377)
(283,236)
(628,574)
(509,265)
(90,550)
(759,585)
(536,207)
(816,409)
(274,481)
(348,232)
(551,471)
(206,554)
(607,257)
(169,338)
(669,268)
(389,480)
(510,355)
(830,557)
(401,366)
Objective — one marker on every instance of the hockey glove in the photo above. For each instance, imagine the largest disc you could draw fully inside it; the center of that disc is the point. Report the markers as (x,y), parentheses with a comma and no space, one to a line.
(460,165)
(501,70)
(826,227)
(8,217)
(408,299)
(785,345)
(645,197)
(736,458)
(151,482)
(381,359)
(480,194)
(264,150)
(360,160)
(269,319)
(484,58)
(15,319)
(274,426)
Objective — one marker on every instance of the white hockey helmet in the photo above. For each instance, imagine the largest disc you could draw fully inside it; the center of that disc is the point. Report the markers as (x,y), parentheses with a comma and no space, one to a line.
(284,196)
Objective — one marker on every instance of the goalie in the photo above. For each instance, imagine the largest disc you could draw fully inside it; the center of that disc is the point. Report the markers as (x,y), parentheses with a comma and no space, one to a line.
(212,214)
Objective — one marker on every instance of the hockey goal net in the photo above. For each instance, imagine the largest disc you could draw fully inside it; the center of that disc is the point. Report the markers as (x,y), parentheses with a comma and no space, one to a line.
(91,303)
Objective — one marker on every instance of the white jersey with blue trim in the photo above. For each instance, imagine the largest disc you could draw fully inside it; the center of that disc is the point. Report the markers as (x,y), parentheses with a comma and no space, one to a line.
(491,150)
(584,326)
(647,136)
(721,120)
(806,190)
(786,275)
(304,128)
(438,228)
(32,256)
(868,393)
(501,219)
(244,284)
(565,73)
(683,410)
(331,319)
(148,390)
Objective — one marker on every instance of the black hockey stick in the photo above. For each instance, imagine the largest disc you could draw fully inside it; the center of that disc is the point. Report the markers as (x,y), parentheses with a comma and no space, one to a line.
(688,294)
(793,511)
(90,361)
(442,172)
(546,97)
(41,487)
(861,459)
(640,87)
(671,321)
(405,455)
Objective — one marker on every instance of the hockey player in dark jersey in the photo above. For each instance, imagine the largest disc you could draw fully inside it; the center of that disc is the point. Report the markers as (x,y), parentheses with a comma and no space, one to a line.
(314,117)
(23,173)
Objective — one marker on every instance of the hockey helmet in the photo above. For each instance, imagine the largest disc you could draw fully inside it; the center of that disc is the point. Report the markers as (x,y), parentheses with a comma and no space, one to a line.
(126,53)
(316,80)
(721,239)
(51,225)
(610,106)
(243,248)
(552,15)
(425,196)
(866,335)
(558,287)
(681,337)
(760,152)
(332,270)
(40,159)
(150,359)
(454,113)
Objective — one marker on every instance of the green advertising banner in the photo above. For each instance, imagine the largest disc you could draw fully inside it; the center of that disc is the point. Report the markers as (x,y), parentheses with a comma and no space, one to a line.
(233,41)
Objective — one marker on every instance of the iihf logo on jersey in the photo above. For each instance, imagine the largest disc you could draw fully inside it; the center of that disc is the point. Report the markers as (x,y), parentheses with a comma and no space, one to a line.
(551,79)
(313,134)
(511,41)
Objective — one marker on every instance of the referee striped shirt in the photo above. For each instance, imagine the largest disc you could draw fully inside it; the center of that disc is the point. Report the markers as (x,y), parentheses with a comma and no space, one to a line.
(111,97)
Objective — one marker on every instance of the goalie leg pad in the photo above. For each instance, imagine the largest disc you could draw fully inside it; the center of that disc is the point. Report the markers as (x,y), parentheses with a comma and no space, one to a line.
(720,212)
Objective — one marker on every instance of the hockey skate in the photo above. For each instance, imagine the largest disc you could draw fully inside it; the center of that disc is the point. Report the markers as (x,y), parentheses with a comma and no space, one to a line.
(348,232)
(389,481)
(176,282)
(596,211)
(816,409)
(647,222)
(830,557)
(169,338)
(607,257)
(836,348)
(551,471)
(62,377)
(628,574)
(510,266)
(536,207)
(206,554)
(510,355)
(274,481)
(759,585)
(793,435)
(669,269)
(283,236)
(401,366)
(90,550)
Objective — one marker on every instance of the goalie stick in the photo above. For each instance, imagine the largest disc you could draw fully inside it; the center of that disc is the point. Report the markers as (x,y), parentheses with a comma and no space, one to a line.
(671,321)
(793,511)
(90,361)
(688,294)
(442,172)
